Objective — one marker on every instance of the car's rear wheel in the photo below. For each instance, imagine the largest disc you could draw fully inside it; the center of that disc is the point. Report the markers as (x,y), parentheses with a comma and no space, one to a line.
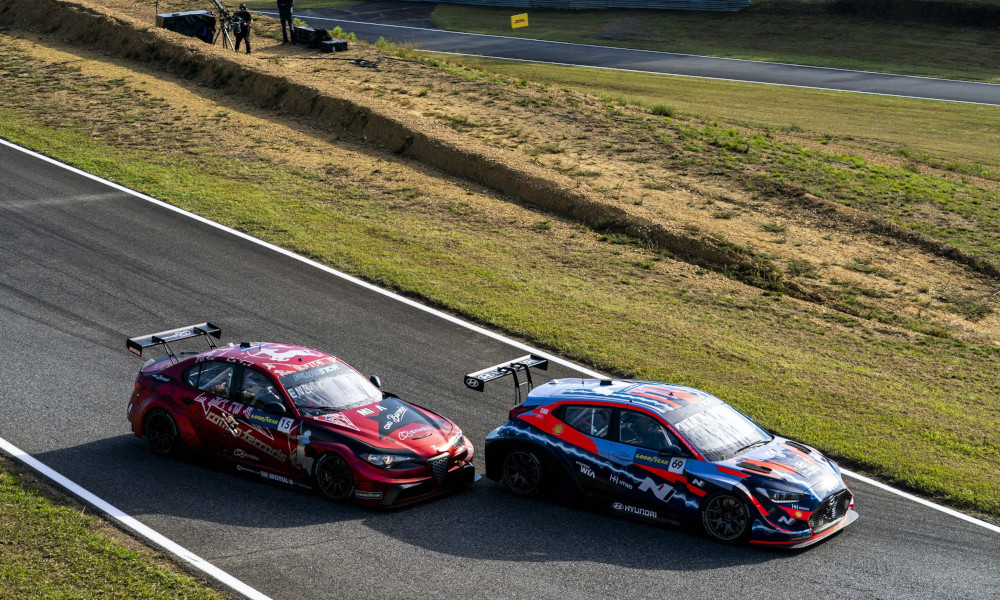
(334,477)
(160,431)
(522,472)
(726,518)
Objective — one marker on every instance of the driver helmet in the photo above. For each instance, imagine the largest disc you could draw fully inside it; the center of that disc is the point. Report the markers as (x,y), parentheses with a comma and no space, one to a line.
(243,6)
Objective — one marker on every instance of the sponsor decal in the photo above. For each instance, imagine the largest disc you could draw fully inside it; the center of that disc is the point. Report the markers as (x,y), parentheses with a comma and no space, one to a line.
(615,479)
(558,429)
(244,455)
(395,418)
(473,383)
(339,419)
(394,414)
(285,425)
(663,492)
(800,538)
(798,514)
(280,353)
(544,410)
(364,412)
(262,418)
(251,440)
(413,433)
(645,457)
(135,351)
(366,495)
(634,510)
(585,469)
(786,520)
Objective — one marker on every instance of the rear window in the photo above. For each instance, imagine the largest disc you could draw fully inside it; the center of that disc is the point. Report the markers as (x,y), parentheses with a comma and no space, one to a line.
(331,387)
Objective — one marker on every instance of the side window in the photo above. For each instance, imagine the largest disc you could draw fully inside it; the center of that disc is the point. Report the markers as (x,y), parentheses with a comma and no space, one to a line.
(591,420)
(190,376)
(215,378)
(258,390)
(639,429)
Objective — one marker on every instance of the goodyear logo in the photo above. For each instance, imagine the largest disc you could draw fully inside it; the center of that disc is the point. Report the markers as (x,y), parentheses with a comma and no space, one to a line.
(365,495)
(652,460)
(265,419)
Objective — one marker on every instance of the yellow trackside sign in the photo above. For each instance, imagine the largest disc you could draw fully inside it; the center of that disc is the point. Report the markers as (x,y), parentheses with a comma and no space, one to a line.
(519,21)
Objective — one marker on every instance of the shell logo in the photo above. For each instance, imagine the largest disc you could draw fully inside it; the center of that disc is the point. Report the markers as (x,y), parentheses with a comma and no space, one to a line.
(798,514)
(558,429)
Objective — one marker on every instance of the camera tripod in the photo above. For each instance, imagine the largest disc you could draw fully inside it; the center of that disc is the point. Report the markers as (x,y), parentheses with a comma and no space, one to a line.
(227,21)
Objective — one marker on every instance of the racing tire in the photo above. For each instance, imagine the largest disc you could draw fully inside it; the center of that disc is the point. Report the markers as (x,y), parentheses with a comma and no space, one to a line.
(334,477)
(522,472)
(726,518)
(160,430)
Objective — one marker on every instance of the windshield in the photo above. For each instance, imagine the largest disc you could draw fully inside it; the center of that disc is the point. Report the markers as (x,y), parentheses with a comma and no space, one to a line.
(721,431)
(329,387)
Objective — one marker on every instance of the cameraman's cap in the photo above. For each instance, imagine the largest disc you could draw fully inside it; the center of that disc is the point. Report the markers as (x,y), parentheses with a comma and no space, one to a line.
(243,5)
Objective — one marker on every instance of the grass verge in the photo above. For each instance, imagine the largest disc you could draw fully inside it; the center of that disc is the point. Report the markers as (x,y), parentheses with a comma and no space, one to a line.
(53,549)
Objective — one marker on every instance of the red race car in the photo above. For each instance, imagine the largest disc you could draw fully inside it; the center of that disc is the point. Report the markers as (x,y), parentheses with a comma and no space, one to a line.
(296,416)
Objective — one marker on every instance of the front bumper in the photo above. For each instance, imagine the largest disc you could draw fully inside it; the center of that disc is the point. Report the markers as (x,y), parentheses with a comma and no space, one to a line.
(373,488)
(765,536)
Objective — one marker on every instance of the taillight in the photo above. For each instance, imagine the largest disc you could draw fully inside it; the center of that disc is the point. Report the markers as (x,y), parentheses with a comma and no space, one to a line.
(518,410)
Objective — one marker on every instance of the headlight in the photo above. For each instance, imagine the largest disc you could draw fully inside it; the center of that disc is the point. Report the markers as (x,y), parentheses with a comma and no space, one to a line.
(459,441)
(779,497)
(391,461)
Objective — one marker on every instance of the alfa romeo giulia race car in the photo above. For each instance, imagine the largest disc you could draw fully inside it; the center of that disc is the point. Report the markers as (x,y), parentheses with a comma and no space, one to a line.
(667,454)
(296,416)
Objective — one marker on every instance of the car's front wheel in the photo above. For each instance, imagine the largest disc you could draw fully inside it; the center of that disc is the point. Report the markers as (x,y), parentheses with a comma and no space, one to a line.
(726,518)
(160,431)
(334,477)
(522,472)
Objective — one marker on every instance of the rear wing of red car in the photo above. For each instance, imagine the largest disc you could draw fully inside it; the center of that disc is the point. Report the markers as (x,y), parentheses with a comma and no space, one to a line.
(477,381)
(136,344)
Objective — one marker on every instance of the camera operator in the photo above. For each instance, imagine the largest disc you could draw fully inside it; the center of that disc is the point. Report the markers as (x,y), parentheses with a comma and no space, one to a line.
(285,14)
(244,34)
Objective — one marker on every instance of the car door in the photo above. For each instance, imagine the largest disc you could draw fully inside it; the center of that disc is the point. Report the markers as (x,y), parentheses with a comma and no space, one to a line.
(263,422)
(593,421)
(649,459)
(211,385)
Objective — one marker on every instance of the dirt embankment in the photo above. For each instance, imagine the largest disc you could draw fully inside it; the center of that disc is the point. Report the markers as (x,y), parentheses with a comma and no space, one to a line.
(367,119)
(576,156)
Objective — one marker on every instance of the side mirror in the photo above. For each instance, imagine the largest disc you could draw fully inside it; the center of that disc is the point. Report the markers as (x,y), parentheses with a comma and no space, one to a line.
(375,381)
(671,451)
(275,408)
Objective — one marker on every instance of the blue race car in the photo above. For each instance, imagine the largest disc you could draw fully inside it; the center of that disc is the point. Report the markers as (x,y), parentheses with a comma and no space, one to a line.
(667,454)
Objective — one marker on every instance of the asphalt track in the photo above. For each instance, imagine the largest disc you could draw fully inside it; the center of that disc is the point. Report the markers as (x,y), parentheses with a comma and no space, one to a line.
(409,23)
(83,266)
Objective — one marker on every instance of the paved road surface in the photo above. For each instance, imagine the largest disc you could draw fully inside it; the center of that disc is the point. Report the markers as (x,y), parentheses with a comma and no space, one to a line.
(83,266)
(410,23)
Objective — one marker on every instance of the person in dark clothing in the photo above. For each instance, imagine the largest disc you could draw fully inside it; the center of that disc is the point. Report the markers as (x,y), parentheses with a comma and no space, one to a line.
(244,34)
(285,13)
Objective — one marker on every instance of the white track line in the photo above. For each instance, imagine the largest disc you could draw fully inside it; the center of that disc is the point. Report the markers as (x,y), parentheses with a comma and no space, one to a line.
(134,525)
(224,577)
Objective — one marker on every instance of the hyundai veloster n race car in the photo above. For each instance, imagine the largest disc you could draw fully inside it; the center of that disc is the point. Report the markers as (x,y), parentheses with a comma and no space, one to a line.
(667,454)
(296,416)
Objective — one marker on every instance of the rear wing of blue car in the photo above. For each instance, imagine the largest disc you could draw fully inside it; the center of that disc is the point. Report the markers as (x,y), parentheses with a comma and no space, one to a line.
(477,381)
(136,344)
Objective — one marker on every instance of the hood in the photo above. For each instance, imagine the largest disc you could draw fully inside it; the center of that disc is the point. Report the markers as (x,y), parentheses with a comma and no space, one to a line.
(791,463)
(392,424)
